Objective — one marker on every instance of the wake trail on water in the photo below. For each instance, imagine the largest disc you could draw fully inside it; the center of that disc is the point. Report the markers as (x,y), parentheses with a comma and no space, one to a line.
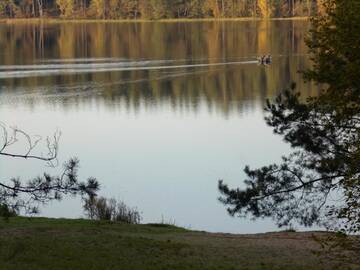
(81,60)
(22,71)
(83,65)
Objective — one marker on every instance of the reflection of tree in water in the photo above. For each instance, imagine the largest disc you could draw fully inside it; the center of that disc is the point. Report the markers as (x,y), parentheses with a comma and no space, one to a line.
(224,88)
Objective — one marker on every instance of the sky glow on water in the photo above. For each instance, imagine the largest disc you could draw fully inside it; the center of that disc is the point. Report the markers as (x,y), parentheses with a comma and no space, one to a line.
(158,125)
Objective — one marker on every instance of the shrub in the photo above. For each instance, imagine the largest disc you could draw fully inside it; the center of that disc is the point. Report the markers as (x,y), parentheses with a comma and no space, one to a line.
(109,209)
(6,212)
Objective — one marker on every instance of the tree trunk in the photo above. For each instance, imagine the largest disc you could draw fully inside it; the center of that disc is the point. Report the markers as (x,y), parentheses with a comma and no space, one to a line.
(40,6)
(33,7)
(222,8)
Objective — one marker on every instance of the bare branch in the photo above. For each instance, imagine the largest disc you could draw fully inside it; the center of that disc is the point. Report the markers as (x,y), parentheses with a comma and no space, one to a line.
(11,136)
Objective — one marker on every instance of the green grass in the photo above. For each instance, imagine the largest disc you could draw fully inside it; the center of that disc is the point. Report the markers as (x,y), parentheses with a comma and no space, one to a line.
(51,244)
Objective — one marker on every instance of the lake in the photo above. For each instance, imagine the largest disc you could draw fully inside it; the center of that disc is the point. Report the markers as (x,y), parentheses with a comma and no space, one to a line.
(157,112)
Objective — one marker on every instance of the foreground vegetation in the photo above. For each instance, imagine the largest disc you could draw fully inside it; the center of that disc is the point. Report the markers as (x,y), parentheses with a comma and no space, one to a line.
(323,131)
(39,243)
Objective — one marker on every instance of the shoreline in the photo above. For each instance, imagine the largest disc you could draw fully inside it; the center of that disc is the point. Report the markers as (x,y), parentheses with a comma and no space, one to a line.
(181,20)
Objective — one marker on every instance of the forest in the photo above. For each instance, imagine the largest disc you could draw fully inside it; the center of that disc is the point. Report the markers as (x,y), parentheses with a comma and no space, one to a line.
(157,9)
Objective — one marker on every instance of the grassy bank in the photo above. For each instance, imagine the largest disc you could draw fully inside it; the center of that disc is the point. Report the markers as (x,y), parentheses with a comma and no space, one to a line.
(40,243)
(58,20)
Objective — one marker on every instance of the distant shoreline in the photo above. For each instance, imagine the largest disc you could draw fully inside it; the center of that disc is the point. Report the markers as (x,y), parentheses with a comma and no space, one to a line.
(60,21)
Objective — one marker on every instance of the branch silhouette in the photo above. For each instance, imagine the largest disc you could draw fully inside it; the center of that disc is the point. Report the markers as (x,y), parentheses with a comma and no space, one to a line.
(19,195)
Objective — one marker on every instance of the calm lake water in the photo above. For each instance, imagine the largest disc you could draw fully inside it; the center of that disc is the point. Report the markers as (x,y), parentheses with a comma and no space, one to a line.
(158,112)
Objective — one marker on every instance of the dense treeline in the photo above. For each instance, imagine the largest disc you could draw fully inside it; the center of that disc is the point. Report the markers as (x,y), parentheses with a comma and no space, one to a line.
(157,9)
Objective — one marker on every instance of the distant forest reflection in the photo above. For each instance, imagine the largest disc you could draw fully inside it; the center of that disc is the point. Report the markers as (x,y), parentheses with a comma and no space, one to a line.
(67,57)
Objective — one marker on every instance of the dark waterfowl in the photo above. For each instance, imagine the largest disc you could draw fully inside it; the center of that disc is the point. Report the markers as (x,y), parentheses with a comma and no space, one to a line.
(265,59)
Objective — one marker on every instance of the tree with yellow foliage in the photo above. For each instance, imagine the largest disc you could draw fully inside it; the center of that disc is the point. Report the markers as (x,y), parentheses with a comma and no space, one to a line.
(66,7)
(98,8)
(264,8)
(213,8)
(321,6)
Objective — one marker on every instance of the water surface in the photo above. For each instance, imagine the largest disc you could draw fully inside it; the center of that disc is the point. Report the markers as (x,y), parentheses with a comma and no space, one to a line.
(158,112)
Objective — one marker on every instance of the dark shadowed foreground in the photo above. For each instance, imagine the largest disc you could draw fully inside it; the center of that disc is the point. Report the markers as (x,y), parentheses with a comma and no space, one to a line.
(39,243)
